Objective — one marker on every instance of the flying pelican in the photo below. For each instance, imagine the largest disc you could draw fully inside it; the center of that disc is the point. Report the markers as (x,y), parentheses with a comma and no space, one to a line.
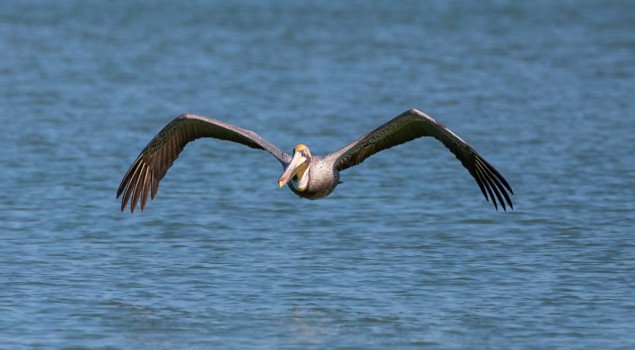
(309,176)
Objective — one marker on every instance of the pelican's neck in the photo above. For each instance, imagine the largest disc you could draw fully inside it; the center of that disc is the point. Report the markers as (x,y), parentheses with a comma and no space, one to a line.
(301,179)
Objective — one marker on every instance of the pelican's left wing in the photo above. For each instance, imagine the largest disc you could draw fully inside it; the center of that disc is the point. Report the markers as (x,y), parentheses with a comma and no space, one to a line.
(157,157)
(414,124)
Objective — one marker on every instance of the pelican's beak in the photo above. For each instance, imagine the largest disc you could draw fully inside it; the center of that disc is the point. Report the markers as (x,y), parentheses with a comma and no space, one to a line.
(298,165)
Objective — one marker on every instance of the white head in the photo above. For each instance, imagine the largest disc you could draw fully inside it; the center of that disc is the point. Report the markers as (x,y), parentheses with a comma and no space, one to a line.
(297,169)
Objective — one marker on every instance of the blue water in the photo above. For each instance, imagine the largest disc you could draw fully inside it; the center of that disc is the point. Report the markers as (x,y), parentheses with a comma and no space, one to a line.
(405,253)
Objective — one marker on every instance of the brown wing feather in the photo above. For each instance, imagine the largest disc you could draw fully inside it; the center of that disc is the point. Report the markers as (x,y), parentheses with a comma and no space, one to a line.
(414,124)
(156,158)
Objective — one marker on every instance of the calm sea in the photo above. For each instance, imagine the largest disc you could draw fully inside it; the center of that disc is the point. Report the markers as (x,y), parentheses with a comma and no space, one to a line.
(405,253)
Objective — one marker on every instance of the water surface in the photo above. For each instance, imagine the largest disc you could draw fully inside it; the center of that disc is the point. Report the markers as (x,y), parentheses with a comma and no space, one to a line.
(404,254)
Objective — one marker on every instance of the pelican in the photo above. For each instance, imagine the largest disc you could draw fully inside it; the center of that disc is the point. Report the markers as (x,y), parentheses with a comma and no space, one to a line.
(308,176)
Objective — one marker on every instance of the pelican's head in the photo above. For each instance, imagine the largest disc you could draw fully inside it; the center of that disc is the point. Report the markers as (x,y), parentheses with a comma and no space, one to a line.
(297,168)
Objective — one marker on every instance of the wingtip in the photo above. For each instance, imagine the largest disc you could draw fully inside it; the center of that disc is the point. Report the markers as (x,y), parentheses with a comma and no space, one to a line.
(509,203)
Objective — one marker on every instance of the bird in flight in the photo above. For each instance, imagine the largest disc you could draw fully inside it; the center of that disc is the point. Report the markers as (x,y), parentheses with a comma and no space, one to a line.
(308,176)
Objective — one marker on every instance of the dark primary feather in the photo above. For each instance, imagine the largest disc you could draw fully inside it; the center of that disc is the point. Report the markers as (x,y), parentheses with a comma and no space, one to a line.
(414,124)
(156,158)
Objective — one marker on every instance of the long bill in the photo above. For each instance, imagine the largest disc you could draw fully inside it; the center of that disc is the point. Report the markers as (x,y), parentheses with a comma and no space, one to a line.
(298,165)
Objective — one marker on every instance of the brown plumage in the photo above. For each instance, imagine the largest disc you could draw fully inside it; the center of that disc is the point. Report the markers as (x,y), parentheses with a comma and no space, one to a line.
(311,177)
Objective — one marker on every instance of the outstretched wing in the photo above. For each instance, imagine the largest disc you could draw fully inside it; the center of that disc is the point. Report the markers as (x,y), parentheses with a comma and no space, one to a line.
(157,157)
(414,124)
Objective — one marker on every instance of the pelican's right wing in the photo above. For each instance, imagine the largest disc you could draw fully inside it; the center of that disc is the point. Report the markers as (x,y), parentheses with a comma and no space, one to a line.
(157,157)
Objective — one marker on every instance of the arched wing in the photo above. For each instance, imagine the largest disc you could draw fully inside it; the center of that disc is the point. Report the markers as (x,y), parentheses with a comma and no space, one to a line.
(156,158)
(414,124)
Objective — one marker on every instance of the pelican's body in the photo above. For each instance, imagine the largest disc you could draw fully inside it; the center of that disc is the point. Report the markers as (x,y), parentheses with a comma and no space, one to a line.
(311,177)
(321,179)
